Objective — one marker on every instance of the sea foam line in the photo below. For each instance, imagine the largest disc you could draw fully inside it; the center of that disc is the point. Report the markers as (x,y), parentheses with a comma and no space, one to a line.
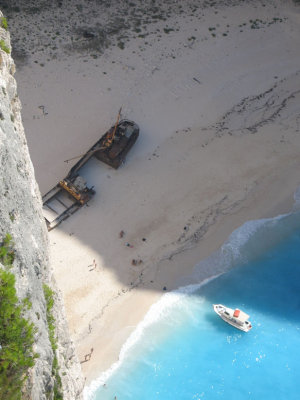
(156,312)
(240,236)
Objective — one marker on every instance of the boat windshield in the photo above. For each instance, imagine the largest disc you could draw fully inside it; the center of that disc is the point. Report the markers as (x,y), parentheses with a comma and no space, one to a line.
(243,316)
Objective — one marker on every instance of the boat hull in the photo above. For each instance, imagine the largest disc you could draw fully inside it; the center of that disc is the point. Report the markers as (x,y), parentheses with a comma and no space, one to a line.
(125,137)
(228,315)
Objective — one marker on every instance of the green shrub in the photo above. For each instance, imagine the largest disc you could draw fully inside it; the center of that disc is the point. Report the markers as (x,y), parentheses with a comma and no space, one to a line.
(49,297)
(6,251)
(16,332)
(4,23)
(4,47)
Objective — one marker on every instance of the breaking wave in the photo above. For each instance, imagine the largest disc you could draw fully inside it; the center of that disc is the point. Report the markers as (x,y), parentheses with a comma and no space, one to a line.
(244,244)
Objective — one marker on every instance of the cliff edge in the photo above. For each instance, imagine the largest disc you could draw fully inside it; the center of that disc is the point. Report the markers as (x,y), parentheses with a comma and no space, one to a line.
(21,217)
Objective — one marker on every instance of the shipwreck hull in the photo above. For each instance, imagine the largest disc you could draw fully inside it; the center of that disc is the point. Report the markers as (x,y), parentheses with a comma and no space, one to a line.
(125,137)
(71,193)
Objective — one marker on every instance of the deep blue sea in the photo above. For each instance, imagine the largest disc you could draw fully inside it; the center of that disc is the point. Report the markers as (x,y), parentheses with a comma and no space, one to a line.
(184,351)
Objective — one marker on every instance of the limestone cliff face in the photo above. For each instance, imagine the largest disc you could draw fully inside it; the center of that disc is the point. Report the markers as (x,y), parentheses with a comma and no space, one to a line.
(21,216)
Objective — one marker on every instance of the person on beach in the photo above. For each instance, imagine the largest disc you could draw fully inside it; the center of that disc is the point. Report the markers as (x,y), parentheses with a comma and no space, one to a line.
(88,356)
(92,266)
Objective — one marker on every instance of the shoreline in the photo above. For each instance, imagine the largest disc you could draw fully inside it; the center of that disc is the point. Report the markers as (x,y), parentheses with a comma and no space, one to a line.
(112,343)
(219,134)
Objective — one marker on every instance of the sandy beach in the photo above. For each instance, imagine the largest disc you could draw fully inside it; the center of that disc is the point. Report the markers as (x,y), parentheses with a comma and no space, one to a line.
(215,90)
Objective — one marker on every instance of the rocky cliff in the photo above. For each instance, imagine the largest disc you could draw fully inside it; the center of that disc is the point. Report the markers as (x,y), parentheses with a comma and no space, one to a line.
(21,217)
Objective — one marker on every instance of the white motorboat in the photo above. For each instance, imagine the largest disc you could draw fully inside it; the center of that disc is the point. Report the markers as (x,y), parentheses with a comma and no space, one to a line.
(236,318)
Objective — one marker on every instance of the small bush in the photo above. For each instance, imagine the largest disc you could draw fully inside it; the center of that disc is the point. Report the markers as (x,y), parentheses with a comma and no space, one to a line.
(6,251)
(49,297)
(4,47)
(16,332)
(4,23)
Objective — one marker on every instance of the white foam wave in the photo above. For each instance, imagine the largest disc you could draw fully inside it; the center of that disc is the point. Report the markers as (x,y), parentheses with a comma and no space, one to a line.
(234,246)
(230,251)
(241,235)
(156,312)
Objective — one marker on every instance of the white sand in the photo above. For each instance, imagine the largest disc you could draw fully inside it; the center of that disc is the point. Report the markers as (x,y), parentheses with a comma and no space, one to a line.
(219,145)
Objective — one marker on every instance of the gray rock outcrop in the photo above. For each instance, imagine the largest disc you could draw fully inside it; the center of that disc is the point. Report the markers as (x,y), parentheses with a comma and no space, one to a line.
(21,217)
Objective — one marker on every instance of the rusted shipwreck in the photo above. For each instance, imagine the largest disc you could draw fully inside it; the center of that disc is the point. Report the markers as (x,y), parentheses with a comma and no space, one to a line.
(72,192)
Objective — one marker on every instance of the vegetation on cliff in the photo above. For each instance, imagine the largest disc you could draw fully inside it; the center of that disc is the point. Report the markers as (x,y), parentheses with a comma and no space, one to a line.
(49,296)
(16,332)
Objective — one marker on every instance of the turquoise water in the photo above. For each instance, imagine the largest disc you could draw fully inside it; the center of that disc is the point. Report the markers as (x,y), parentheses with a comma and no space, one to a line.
(184,351)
